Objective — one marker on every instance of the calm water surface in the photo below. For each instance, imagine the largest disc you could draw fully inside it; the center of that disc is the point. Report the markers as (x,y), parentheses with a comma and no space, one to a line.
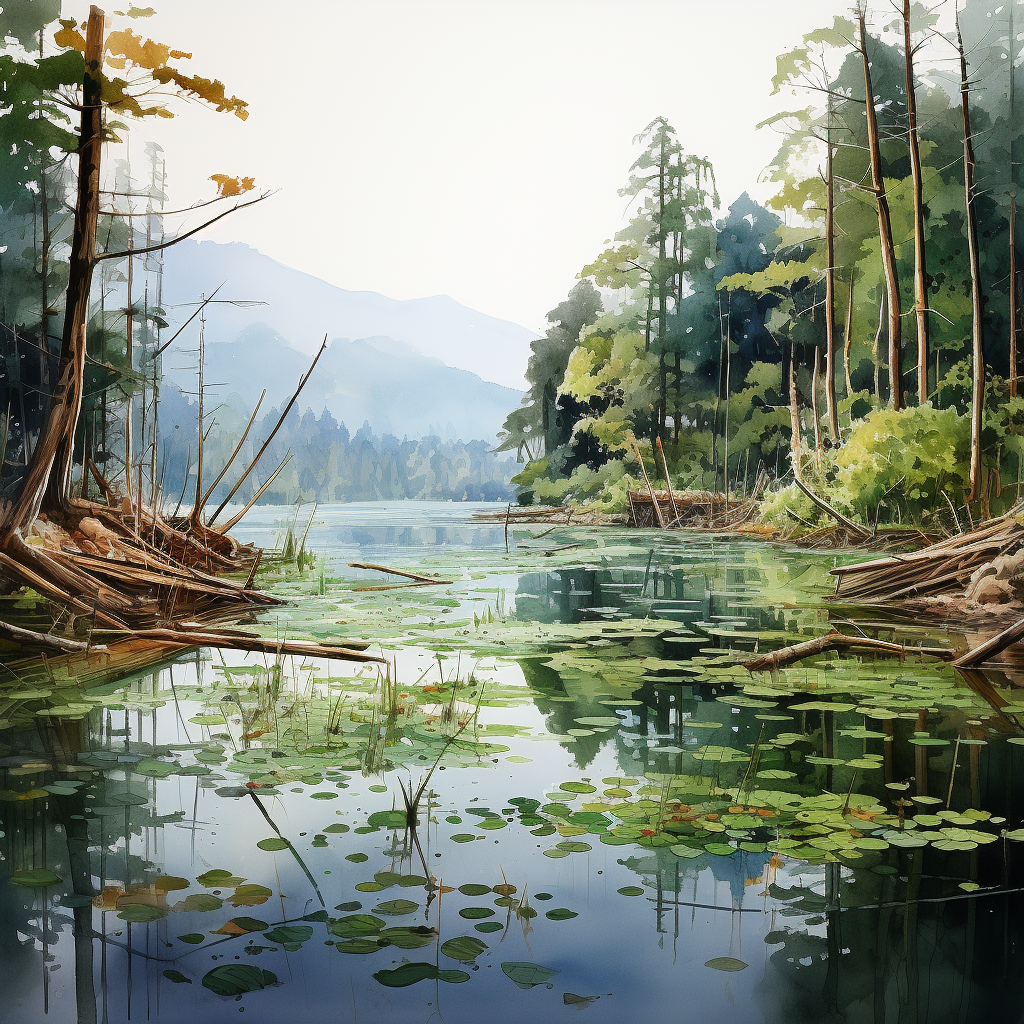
(613,817)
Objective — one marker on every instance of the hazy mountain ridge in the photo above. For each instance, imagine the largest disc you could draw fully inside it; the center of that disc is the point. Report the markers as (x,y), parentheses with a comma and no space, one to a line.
(303,309)
(387,384)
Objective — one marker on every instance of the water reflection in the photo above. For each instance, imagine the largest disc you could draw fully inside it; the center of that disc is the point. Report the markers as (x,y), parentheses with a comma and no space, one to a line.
(220,813)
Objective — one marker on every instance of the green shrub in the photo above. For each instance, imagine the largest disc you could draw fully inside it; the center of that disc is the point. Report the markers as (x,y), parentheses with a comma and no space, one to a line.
(913,456)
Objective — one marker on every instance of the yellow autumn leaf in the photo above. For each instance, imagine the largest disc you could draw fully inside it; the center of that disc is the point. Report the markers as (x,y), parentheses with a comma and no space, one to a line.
(206,89)
(68,35)
(228,186)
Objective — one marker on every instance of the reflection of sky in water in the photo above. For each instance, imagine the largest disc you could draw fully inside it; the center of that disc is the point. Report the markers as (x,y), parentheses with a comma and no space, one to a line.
(643,955)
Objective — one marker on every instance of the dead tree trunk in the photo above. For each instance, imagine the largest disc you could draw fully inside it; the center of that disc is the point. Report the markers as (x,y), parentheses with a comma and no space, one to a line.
(830,288)
(977,351)
(1013,295)
(47,483)
(892,284)
(920,292)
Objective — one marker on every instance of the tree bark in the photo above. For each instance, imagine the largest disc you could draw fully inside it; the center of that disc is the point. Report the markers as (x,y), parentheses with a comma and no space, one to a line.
(977,351)
(848,339)
(892,284)
(920,292)
(49,475)
(830,289)
(1013,296)
(794,413)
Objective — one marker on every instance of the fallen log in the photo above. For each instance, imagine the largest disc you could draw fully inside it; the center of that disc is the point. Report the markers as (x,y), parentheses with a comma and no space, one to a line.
(991,647)
(397,572)
(237,641)
(829,510)
(33,638)
(835,640)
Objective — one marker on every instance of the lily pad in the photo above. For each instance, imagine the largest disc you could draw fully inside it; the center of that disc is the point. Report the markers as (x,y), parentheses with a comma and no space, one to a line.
(560,914)
(39,878)
(528,975)
(463,947)
(409,974)
(237,979)
(397,908)
(217,877)
(273,844)
(726,963)
(141,913)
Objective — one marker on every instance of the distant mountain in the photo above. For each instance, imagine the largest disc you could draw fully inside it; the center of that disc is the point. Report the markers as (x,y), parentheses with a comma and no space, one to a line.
(302,309)
(385,383)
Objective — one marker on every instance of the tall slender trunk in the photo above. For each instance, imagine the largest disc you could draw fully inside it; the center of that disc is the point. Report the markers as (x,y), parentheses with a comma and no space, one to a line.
(815,377)
(892,284)
(794,413)
(662,288)
(830,288)
(47,483)
(920,292)
(129,407)
(876,354)
(848,339)
(977,351)
(197,504)
(1013,295)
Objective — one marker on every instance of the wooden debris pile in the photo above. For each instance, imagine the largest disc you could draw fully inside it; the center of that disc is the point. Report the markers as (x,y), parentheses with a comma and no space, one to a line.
(682,509)
(961,564)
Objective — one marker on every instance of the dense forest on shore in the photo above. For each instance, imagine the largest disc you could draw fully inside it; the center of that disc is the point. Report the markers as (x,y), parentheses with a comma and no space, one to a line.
(859,329)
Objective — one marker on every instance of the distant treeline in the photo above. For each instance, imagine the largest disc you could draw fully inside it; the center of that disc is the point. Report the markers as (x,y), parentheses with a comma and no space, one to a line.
(327,463)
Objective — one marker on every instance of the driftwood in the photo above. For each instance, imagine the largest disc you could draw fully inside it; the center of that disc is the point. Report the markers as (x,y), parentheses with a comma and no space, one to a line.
(829,510)
(398,572)
(936,569)
(991,647)
(835,640)
(524,514)
(239,641)
(183,638)
(650,486)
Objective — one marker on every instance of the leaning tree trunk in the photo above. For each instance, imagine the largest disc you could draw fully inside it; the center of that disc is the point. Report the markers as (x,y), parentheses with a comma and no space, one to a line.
(920,293)
(977,351)
(47,483)
(892,283)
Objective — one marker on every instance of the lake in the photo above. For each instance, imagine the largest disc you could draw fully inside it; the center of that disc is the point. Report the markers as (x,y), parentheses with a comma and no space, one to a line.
(662,835)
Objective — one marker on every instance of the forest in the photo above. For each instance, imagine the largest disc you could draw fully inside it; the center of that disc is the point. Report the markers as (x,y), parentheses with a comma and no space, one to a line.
(859,330)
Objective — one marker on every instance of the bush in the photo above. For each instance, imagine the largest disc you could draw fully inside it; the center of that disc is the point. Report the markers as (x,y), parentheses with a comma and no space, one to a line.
(913,456)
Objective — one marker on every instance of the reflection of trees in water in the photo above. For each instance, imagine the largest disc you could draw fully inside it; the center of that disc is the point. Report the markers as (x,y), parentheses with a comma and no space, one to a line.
(693,596)
(102,836)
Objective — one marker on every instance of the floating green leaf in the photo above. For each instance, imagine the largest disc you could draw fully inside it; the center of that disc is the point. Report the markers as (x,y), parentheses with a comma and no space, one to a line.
(237,979)
(397,908)
(39,878)
(217,878)
(463,947)
(177,977)
(474,889)
(409,974)
(528,975)
(560,914)
(202,902)
(141,913)
(726,963)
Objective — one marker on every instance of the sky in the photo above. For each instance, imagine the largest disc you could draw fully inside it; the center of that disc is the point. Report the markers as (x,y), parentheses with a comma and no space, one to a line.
(472,148)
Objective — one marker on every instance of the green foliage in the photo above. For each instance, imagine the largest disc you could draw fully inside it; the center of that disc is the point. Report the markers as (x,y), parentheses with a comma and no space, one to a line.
(913,455)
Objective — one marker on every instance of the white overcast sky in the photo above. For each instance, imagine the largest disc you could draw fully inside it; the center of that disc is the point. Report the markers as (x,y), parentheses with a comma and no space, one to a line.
(466,147)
